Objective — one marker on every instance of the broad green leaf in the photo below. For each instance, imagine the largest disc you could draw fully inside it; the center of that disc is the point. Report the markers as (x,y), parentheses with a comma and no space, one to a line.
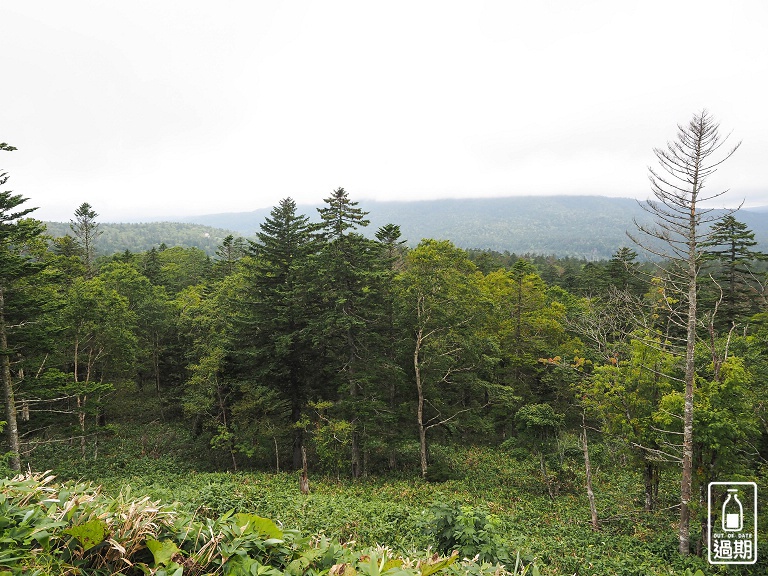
(429,568)
(172,569)
(392,563)
(90,534)
(43,537)
(263,526)
(162,551)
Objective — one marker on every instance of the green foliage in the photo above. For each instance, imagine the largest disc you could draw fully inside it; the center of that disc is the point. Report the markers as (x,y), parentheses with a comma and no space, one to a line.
(98,330)
(89,534)
(349,281)
(21,304)
(469,531)
(361,352)
(86,231)
(725,420)
(441,308)
(539,422)
(730,244)
(181,268)
(140,237)
(332,438)
(162,552)
(440,471)
(390,510)
(56,529)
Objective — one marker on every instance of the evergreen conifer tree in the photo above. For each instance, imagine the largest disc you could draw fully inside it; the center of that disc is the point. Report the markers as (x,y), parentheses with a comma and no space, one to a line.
(18,233)
(228,254)
(271,322)
(624,271)
(86,231)
(348,271)
(730,247)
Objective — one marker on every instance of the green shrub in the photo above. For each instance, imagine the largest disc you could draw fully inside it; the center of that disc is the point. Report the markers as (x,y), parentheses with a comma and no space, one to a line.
(48,529)
(469,531)
(440,471)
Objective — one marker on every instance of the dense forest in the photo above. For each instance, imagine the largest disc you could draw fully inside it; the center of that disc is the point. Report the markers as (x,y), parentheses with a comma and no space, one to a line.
(318,349)
(140,237)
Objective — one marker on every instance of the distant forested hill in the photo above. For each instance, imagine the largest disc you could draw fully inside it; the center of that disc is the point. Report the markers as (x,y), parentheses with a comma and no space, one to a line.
(142,237)
(583,227)
(591,227)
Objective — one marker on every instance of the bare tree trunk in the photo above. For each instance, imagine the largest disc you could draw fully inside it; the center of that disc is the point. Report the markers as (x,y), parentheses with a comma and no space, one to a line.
(422,441)
(648,488)
(298,439)
(81,400)
(545,475)
(420,406)
(588,469)
(304,479)
(75,359)
(704,519)
(11,426)
(277,455)
(690,375)
(223,412)
(651,481)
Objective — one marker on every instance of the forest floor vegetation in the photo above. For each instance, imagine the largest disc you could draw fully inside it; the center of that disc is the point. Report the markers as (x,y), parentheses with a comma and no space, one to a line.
(493,503)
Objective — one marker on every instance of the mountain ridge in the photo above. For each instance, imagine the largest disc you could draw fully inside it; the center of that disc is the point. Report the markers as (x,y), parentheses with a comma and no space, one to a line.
(590,227)
(584,227)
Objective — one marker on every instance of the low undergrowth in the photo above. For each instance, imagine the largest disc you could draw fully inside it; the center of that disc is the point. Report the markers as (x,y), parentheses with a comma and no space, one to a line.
(52,529)
(496,509)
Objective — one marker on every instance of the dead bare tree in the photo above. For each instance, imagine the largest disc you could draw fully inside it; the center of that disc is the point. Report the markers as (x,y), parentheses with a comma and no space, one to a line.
(676,238)
(607,323)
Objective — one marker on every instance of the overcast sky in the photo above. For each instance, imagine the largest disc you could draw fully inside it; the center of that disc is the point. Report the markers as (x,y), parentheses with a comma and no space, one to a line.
(149,108)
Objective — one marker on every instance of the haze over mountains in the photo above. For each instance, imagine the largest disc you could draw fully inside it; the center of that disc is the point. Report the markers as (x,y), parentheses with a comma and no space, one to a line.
(591,227)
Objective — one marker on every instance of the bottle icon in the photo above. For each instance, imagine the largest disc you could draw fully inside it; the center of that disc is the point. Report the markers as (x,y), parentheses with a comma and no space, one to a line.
(733,512)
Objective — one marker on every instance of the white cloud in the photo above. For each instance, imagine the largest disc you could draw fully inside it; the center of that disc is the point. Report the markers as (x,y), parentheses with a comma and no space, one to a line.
(182,107)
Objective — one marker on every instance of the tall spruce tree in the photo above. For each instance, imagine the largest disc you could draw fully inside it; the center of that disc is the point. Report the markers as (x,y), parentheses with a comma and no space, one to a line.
(272,322)
(348,270)
(151,266)
(17,264)
(228,254)
(392,255)
(86,231)
(624,272)
(730,247)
